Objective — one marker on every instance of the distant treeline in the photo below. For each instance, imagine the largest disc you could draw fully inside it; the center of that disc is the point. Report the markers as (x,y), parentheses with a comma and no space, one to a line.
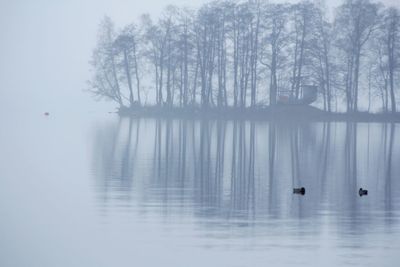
(251,54)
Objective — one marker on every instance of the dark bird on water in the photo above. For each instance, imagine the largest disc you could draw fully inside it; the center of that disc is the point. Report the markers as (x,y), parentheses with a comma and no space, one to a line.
(300,191)
(362,192)
(46,113)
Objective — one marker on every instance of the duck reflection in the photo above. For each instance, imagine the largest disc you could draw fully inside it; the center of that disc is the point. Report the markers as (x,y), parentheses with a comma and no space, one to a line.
(246,170)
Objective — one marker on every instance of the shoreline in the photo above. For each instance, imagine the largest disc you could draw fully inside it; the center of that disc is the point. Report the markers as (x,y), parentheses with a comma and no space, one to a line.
(277,113)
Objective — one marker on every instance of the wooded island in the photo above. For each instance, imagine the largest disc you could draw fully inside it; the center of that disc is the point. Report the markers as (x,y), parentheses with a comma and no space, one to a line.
(253,58)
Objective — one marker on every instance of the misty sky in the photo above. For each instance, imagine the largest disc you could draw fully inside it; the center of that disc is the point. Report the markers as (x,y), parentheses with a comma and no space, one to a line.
(45,46)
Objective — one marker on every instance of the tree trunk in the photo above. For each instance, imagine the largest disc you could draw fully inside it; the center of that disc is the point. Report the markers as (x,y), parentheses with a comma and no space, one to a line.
(356,76)
(136,73)
(128,76)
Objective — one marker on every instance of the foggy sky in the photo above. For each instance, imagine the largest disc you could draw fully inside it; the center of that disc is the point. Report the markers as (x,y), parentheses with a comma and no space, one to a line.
(45,47)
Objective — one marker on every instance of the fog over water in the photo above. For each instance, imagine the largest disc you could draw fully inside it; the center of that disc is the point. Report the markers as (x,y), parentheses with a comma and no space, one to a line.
(85,187)
(103,191)
(46,46)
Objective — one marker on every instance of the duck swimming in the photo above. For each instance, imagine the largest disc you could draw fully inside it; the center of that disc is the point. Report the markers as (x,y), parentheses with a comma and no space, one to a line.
(362,192)
(300,191)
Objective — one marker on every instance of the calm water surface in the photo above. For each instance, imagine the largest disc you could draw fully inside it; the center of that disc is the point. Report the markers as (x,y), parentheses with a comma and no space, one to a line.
(104,191)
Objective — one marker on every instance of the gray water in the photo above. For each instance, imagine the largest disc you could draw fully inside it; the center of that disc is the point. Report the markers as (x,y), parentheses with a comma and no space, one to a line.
(105,191)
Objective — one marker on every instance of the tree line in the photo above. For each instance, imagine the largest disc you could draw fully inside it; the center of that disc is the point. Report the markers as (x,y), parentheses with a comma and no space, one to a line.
(249,54)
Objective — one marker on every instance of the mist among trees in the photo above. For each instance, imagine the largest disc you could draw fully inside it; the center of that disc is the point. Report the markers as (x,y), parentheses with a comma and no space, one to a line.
(253,54)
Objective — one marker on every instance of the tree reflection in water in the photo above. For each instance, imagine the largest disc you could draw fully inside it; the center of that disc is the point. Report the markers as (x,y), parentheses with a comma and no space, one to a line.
(227,172)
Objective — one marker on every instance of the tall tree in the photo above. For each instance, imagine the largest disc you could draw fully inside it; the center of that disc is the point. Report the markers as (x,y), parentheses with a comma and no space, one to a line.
(304,17)
(274,40)
(320,54)
(126,45)
(105,81)
(392,31)
(355,21)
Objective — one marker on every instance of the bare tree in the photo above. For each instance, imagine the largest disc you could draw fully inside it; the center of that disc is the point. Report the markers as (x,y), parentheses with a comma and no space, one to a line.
(241,54)
(355,21)
(126,46)
(155,50)
(105,80)
(391,28)
(275,39)
(320,51)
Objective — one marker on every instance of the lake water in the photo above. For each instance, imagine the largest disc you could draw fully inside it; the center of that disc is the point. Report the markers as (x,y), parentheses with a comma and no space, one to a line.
(104,191)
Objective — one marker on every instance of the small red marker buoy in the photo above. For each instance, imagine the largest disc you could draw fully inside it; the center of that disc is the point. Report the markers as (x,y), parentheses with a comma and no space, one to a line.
(46,114)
